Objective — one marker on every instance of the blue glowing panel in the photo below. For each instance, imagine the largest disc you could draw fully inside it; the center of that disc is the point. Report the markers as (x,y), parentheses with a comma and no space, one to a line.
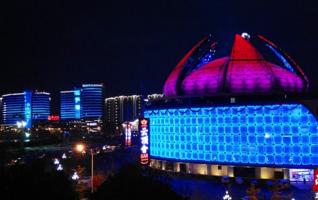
(267,135)
(28,109)
(77,103)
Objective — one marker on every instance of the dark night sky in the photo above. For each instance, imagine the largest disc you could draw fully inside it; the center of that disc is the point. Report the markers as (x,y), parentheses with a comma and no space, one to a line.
(132,46)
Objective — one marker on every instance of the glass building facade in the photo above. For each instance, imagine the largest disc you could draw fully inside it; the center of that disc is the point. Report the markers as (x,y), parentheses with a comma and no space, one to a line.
(41,106)
(70,104)
(92,102)
(265,135)
(82,103)
(28,106)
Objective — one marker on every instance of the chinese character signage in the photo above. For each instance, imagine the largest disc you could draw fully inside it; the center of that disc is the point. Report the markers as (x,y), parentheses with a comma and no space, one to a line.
(315,186)
(144,140)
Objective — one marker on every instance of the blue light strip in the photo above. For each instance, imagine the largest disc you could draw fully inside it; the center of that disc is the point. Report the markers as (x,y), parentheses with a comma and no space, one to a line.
(77,103)
(282,58)
(28,109)
(280,134)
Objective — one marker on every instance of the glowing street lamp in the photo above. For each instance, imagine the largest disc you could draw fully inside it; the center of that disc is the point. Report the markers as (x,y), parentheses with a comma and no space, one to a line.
(64,156)
(81,148)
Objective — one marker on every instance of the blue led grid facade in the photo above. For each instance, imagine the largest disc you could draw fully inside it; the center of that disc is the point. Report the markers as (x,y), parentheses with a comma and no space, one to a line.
(281,134)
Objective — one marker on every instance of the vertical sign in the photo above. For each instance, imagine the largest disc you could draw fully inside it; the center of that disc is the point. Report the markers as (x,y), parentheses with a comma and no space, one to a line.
(77,103)
(315,186)
(27,109)
(144,141)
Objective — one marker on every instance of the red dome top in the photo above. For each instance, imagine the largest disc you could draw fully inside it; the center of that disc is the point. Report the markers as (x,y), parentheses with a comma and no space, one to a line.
(244,71)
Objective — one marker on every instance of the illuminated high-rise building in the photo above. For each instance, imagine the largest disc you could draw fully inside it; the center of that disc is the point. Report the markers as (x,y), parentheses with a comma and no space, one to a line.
(28,106)
(70,104)
(41,105)
(122,108)
(92,101)
(82,103)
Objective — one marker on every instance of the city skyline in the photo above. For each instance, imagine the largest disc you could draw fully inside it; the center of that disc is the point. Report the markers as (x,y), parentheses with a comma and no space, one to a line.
(66,44)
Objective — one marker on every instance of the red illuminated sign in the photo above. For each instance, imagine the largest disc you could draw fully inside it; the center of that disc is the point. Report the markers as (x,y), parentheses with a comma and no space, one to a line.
(315,186)
(53,118)
(144,141)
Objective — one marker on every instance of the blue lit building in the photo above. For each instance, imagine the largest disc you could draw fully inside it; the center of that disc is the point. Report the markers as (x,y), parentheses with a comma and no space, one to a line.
(216,119)
(41,106)
(92,101)
(28,106)
(82,103)
(70,104)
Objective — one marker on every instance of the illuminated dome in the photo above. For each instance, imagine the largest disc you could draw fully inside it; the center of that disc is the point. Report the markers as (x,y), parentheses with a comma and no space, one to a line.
(254,65)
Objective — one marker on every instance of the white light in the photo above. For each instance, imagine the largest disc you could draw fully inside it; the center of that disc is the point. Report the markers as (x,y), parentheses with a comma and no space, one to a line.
(59,168)
(245,36)
(267,135)
(64,156)
(27,135)
(56,161)
(227,196)
(75,176)
(23,124)
(19,124)
(144,149)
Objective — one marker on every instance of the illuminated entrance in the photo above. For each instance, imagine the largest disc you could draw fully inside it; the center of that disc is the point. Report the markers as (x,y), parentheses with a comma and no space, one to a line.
(296,175)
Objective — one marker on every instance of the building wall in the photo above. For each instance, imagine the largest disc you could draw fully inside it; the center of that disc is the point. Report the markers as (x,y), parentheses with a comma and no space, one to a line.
(67,105)
(216,170)
(280,135)
(122,108)
(1,117)
(13,108)
(28,106)
(41,106)
(92,103)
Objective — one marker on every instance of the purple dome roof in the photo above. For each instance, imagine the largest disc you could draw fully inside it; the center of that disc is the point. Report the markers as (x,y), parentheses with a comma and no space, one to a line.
(244,71)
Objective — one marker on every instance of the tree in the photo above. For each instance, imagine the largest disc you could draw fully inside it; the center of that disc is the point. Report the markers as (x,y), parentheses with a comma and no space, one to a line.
(34,182)
(130,183)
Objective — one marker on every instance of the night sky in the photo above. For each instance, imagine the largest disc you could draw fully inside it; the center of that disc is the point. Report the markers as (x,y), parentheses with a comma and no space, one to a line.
(132,46)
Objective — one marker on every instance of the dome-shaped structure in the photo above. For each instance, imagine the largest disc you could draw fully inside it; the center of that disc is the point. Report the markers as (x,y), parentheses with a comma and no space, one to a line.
(254,65)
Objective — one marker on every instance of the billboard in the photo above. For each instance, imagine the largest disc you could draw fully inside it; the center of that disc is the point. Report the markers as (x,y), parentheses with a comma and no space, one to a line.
(144,141)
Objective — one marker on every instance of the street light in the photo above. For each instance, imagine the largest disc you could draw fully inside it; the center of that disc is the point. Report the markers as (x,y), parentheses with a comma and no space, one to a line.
(81,148)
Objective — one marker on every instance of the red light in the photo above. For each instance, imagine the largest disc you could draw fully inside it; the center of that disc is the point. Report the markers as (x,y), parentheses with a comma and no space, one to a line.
(315,186)
(144,159)
(53,118)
